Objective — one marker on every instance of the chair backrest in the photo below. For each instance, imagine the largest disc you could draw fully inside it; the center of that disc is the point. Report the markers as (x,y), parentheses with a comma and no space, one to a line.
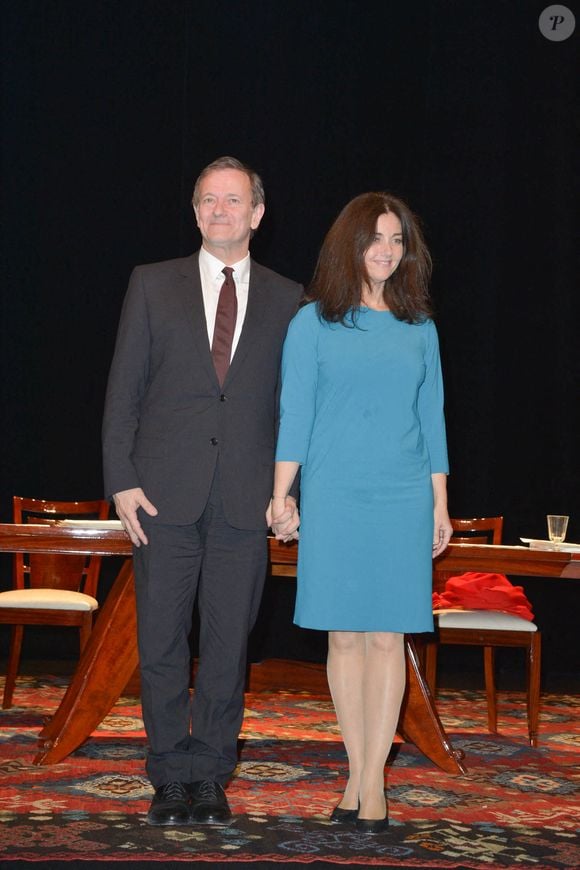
(68,571)
(477,530)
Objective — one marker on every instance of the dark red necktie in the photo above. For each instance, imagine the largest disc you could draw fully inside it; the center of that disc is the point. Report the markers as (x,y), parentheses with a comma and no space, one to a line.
(225,324)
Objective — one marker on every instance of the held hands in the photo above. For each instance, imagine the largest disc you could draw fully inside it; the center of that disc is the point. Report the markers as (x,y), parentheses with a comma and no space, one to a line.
(441,530)
(126,504)
(283,518)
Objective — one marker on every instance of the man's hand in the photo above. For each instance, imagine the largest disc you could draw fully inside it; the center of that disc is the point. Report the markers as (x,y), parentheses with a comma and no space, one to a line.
(283,518)
(126,504)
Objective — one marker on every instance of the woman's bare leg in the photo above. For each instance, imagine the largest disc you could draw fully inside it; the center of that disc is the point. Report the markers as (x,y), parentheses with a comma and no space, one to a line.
(383,688)
(345,669)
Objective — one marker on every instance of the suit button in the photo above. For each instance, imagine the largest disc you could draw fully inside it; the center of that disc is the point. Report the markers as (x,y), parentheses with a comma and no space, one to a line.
(223,398)
(213,441)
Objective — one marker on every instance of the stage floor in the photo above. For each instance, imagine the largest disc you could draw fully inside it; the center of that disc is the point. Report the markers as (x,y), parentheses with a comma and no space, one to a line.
(516,805)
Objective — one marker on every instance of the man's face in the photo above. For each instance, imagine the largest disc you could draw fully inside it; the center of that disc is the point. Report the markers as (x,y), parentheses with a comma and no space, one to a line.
(225,214)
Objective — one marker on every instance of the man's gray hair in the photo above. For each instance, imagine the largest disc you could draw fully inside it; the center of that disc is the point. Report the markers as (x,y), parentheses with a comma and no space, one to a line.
(258,196)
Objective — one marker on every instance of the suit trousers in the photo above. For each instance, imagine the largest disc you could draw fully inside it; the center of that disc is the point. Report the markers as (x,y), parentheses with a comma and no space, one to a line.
(193,739)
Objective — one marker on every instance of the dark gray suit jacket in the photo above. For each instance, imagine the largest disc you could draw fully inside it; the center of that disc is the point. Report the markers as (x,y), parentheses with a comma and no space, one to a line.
(167,419)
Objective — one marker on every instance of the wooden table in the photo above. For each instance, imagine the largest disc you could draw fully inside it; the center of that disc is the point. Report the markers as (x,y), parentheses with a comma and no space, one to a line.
(110,657)
(517,561)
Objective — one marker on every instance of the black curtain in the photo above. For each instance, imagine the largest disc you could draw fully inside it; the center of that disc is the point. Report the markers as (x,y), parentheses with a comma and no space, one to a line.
(466,110)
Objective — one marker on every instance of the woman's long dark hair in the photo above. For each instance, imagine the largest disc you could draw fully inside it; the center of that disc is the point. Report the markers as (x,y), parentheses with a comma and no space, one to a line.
(341,273)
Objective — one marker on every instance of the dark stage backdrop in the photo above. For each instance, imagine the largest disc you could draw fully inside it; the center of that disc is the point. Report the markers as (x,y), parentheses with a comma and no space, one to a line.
(111,107)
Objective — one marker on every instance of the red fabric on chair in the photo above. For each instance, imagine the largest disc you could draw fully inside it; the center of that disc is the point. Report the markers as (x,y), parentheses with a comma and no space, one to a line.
(482,591)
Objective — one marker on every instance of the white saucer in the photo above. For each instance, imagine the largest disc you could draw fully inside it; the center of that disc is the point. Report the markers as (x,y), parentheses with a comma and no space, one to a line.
(548,545)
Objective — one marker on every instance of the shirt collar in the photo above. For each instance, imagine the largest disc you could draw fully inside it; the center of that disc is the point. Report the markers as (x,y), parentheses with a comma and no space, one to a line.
(214,266)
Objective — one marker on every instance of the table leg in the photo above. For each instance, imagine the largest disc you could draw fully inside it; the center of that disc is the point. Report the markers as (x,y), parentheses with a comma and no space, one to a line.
(105,666)
(419,722)
(110,658)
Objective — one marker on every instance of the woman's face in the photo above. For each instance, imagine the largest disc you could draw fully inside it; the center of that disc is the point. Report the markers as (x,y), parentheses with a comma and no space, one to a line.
(386,250)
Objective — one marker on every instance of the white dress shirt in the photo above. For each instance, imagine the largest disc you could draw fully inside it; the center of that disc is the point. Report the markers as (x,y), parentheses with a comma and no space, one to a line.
(212,278)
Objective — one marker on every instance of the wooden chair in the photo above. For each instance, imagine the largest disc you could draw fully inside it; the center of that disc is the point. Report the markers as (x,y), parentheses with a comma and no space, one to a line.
(487,628)
(49,589)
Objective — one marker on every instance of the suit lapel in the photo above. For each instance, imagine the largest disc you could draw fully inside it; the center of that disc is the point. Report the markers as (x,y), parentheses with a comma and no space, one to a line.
(194,312)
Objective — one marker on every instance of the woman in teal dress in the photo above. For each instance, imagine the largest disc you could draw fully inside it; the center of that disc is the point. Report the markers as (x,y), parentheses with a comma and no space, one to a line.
(361,416)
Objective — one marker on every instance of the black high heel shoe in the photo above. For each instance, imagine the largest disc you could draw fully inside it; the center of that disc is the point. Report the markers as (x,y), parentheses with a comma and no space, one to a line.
(372,826)
(342,815)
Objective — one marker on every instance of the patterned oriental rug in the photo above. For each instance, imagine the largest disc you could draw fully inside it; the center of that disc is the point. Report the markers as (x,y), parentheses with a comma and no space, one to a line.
(516,807)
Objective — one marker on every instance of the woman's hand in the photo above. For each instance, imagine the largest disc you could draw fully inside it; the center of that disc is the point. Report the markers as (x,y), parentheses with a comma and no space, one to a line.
(442,530)
(283,518)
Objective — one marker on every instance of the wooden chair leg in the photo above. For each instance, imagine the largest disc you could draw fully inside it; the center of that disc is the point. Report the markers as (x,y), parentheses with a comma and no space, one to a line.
(431,666)
(489,668)
(533,687)
(13,665)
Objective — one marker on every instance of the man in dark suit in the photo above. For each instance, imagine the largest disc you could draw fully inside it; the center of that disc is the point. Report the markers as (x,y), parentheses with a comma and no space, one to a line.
(188,441)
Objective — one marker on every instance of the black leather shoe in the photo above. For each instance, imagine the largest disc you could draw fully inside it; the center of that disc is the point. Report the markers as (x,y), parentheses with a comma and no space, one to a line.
(209,804)
(170,805)
(372,826)
(342,815)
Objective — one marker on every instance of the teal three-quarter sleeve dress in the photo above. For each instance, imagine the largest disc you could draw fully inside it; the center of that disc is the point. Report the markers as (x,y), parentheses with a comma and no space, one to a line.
(362,412)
